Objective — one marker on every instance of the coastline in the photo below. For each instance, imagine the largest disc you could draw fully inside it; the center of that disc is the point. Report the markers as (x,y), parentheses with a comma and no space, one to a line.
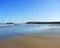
(47,40)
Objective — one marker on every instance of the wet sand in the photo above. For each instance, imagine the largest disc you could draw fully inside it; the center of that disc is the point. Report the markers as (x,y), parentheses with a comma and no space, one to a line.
(48,40)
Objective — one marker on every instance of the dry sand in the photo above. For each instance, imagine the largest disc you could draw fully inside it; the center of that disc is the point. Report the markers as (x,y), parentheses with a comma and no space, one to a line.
(32,41)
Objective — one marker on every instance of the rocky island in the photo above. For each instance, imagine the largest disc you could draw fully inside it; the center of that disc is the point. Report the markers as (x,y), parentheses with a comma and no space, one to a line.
(43,23)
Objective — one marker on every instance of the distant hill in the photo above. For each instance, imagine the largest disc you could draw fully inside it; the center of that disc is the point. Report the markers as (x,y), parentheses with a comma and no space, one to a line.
(9,23)
(43,23)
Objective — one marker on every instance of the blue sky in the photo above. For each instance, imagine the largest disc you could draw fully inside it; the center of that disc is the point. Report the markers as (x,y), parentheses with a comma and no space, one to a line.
(29,10)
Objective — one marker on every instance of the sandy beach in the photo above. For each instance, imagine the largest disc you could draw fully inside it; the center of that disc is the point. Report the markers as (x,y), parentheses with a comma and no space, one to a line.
(32,41)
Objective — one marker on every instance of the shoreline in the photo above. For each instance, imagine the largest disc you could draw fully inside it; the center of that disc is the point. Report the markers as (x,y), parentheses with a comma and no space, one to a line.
(32,41)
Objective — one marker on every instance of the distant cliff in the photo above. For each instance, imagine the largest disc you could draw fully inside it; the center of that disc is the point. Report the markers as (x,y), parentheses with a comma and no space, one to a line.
(43,23)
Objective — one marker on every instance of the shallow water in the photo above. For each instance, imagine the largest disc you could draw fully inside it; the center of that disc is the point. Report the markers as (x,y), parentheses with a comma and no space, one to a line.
(12,30)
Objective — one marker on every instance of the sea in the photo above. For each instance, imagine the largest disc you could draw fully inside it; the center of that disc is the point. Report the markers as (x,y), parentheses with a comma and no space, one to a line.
(15,29)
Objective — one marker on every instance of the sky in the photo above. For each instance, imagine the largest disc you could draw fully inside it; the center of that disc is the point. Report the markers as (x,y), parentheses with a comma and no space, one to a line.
(21,11)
